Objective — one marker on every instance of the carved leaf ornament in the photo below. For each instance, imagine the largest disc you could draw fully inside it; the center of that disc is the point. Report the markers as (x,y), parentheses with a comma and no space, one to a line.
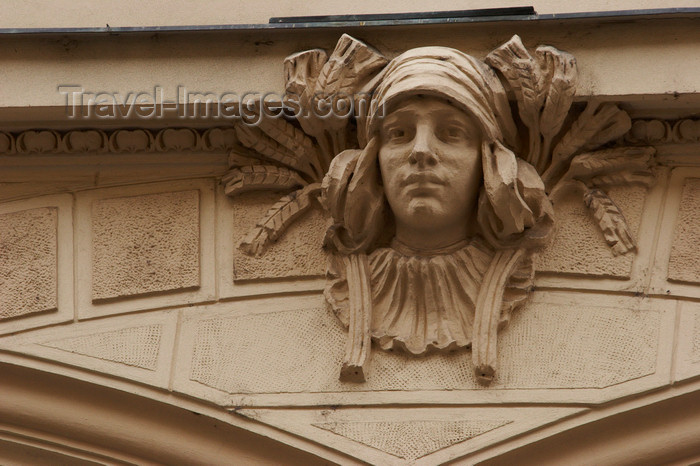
(327,155)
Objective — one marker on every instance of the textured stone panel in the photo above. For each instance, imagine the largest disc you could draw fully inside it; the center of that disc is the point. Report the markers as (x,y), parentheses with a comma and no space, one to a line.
(413,439)
(579,247)
(135,346)
(684,263)
(145,244)
(28,262)
(545,346)
(695,354)
(297,253)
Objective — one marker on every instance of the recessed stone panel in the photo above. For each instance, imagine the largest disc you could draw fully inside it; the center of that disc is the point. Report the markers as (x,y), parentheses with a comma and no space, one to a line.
(408,435)
(28,262)
(145,244)
(684,262)
(688,341)
(298,253)
(411,440)
(695,352)
(134,346)
(545,346)
(579,247)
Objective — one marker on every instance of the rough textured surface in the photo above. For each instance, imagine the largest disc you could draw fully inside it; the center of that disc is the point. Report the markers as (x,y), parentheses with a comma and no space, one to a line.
(684,263)
(297,254)
(545,346)
(695,355)
(136,346)
(145,244)
(414,439)
(28,262)
(578,246)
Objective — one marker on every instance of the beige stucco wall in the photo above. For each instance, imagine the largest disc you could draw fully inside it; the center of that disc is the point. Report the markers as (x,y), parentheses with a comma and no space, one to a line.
(83,13)
(616,58)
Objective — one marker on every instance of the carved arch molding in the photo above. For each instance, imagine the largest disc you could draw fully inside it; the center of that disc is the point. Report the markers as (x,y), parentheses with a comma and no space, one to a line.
(267,289)
(55,419)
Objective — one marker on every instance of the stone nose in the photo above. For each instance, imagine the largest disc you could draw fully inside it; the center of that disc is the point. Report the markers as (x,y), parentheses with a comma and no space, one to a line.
(423,152)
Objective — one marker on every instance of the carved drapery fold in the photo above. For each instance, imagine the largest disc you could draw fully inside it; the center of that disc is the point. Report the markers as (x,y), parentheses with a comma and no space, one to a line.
(426,303)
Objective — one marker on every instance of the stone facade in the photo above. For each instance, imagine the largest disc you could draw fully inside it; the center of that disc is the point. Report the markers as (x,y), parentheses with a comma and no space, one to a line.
(122,277)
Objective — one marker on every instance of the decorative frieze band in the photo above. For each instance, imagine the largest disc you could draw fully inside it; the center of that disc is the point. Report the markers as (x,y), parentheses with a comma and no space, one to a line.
(117,141)
(46,141)
(664,131)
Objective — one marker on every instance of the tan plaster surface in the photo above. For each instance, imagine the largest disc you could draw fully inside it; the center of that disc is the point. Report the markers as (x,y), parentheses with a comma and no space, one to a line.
(83,13)
(145,244)
(28,263)
(36,262)
(168,227)
(675,266)
(579,248)
(304,238)
(684,263)
(252,62)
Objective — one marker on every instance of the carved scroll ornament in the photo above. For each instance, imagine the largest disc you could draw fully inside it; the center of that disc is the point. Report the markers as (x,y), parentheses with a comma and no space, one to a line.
(437,196)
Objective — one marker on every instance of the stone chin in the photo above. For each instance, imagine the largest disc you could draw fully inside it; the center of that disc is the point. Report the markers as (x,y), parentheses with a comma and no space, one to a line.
(427,213)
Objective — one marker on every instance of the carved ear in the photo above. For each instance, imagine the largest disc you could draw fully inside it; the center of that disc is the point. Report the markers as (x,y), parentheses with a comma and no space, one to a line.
(354,197)
(513,206)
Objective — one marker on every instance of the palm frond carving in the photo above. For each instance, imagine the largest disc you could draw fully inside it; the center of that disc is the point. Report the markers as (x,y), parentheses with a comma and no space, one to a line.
(276,154)
(544,86)
(278,218)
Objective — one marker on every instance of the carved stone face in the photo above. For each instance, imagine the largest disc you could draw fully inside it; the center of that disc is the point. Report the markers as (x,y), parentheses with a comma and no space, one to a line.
(430,161)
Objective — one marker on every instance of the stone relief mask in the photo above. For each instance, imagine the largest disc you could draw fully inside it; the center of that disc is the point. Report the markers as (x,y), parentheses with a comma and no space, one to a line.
(436,196)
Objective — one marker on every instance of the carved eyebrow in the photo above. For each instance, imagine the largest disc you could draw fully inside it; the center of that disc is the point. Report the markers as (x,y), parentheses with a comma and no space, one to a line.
(391,117)
(469,127)
(463,121)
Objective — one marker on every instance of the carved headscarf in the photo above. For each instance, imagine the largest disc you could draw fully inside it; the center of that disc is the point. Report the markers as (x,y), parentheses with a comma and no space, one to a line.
(512,204)
(449,74)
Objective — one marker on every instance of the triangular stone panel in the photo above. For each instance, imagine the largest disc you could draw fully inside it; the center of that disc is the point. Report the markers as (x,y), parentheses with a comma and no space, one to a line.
(134,346)
(420,435)
(414,439)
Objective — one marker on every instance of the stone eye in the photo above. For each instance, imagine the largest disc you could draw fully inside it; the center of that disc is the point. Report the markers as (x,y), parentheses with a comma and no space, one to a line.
(453,133)
(396,133)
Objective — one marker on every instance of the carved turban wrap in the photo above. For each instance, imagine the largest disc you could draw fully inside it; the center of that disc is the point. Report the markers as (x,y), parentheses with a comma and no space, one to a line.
(513,205)
(449,74)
